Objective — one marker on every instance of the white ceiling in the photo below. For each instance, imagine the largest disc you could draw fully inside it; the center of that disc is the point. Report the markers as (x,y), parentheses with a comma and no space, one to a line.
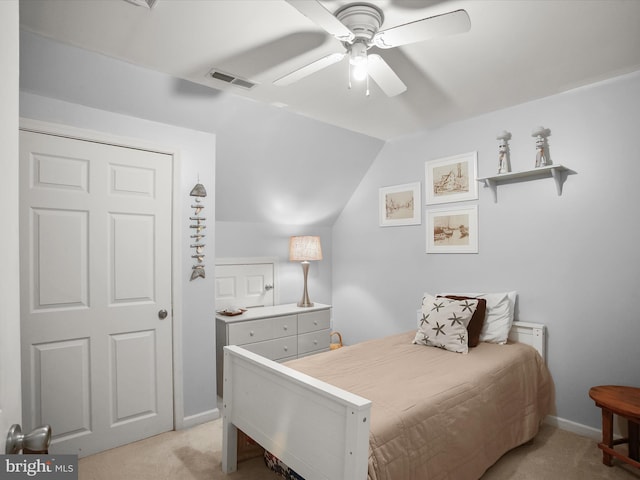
(516,51)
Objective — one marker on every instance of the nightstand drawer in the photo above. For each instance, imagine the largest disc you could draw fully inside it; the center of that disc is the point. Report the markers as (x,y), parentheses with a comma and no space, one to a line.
(313,341)
(275,349)
(250,332)
(312,321)
(285,326)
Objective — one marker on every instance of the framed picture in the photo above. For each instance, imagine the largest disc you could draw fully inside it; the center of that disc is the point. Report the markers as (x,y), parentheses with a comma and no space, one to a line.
(452,230)
(451,179)
(400,205)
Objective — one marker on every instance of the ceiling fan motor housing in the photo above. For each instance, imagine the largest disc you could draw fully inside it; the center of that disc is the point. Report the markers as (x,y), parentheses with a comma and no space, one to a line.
(363,19)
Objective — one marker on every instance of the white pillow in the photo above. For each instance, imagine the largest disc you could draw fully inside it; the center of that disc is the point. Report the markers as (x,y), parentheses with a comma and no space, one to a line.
(444,323)
(499,317)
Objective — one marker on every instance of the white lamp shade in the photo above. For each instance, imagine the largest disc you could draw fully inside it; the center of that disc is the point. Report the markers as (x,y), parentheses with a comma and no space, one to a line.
(304,248)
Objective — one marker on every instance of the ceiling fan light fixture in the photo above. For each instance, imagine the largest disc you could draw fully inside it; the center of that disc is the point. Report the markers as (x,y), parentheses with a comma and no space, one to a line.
(358,61)
(359,72)
(358,54)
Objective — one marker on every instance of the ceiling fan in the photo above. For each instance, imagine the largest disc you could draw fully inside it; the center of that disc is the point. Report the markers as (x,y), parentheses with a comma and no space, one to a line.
(357,26)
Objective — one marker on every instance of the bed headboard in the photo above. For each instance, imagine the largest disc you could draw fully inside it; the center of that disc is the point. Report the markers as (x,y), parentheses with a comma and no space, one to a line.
(533,334)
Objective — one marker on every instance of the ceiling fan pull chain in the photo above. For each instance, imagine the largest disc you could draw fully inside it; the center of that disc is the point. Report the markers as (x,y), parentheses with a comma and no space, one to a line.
(367,84)
(349,84)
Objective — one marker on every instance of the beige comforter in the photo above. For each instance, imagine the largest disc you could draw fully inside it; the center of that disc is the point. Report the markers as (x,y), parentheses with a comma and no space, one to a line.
(437,414)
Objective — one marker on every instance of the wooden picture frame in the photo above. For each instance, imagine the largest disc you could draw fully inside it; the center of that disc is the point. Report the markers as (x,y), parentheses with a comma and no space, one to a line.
(452,230)
(400,205)
(451,179)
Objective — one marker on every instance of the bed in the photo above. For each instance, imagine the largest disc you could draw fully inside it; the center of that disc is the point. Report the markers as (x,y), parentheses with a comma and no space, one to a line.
(389,409)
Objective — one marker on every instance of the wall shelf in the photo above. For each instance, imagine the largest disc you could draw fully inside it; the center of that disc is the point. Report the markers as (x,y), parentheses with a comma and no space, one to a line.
(557,172)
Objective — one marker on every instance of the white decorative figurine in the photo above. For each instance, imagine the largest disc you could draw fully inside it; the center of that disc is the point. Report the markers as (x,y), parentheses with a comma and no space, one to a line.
(503,152)
(539,133)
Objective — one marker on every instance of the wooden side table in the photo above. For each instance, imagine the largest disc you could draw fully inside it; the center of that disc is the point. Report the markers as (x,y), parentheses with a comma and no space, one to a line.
(624,402)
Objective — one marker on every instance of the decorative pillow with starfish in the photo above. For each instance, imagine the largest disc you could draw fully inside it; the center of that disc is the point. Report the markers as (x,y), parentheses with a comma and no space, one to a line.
(444,323)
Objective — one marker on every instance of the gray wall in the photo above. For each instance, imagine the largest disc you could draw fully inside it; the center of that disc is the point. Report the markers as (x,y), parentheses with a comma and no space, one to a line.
(574,259)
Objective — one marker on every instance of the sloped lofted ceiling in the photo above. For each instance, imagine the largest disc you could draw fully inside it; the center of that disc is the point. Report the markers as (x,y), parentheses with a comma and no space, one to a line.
(272,164)
(516,51)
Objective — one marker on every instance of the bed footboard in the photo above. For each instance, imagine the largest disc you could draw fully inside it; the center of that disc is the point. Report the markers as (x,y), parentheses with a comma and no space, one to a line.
(318,430)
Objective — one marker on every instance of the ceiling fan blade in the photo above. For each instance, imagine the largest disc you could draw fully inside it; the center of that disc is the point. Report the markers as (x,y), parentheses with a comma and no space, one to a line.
(438,26)
(322,17)
(384,76)
(307,70)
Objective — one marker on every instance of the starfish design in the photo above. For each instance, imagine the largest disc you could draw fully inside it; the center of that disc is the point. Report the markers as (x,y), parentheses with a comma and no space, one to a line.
(424,339)
(462,338)
(455,319)
(424,319)
(437,306)
(468,306)
(438,329)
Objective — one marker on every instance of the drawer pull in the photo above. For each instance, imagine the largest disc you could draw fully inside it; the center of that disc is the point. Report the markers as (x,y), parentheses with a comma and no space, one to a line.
(315,322)
(315,342)
(286,349)
(285,327)
(251,333)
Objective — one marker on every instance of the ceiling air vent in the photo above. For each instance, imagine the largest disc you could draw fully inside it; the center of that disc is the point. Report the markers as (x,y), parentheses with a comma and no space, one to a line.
(233,80)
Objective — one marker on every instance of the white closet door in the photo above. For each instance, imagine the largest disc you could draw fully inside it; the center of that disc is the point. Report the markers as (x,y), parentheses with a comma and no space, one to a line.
(95,272)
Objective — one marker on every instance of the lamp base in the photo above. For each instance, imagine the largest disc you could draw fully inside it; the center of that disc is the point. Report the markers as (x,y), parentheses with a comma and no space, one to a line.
(305,302)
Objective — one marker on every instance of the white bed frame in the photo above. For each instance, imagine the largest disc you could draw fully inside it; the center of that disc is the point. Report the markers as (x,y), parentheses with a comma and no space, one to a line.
(318,430)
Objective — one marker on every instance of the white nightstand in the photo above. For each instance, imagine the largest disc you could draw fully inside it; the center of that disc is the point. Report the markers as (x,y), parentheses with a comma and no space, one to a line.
(280,333)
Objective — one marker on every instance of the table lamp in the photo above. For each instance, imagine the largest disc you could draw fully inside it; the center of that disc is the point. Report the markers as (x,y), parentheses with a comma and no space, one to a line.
(304,249)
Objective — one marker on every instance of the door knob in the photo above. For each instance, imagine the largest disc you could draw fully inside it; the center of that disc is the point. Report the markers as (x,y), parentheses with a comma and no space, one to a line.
(268,287)
(37,440)
(162,314)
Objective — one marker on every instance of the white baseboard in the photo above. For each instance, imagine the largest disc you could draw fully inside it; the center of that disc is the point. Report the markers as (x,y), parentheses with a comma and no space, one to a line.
(574,427)
(199,418)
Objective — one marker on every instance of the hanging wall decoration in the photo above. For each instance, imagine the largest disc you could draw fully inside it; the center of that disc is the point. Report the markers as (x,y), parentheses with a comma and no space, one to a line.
(452,230)
(400,205)
(451,179)
(198,226)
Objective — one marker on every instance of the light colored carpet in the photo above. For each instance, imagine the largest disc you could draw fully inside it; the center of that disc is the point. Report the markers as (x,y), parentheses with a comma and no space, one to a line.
(194,454)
